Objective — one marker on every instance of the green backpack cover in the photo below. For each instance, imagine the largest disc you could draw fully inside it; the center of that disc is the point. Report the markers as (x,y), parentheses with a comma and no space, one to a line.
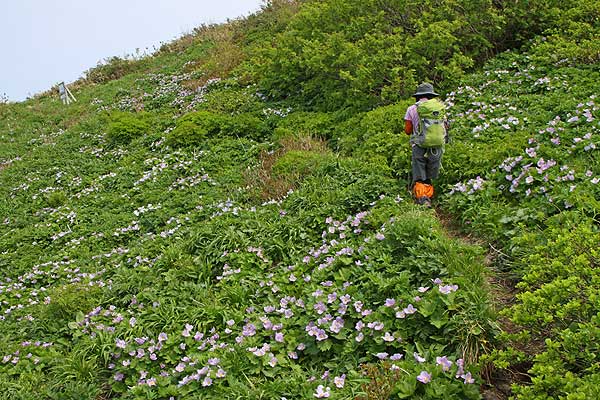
(431,131)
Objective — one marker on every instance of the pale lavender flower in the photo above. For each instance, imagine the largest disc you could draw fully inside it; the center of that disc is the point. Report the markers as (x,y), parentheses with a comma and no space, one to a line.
(468,378)
(447,289)
(273,361)
(418,358)
(444,362)
(249,330)
(410,309)
(388,337)
(121,344)
(180,367)
(207,381)
(424,377)
(279,337)
(322,392)
(118,377)
(337,325)
(339,381)
(396,356)
(321,335)
(162,337)
(461,367)
(320,307)
(382,356)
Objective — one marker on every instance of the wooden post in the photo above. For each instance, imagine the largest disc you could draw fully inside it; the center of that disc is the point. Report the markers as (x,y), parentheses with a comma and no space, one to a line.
(65,94)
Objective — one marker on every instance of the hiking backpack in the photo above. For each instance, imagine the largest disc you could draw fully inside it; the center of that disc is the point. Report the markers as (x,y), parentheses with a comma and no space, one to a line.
(431,131)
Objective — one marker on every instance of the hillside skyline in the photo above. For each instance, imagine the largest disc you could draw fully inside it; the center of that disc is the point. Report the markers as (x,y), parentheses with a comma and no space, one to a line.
(50,43)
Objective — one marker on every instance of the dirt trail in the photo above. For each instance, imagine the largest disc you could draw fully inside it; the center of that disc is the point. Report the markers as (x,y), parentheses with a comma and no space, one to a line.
(498,383)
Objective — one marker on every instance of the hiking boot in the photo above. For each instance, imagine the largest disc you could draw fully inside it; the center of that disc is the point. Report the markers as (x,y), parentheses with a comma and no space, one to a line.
(424,201)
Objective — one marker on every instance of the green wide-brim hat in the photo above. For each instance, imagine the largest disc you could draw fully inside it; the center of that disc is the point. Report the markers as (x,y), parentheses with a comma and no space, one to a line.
(425,89)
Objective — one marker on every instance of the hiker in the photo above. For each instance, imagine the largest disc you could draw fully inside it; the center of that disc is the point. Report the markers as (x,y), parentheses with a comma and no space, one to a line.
(427,126)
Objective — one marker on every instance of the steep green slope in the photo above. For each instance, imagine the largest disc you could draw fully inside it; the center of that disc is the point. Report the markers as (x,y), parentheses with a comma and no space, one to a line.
(228,218)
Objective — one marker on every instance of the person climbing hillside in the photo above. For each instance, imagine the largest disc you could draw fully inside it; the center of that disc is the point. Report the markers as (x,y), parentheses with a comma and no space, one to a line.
(427,126)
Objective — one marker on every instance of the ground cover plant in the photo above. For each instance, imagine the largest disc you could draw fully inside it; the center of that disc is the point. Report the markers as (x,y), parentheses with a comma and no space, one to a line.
(228,217)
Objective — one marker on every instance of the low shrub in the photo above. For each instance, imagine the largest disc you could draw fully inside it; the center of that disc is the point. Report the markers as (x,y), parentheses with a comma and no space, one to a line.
(194,128)
(125,127)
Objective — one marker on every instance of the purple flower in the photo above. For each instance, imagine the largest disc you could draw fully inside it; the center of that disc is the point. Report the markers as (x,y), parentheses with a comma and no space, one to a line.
(461,367)
(390,302)
(249,330)
(382,356)
(337,325)
(447,289)
(339,381)
(121,344)
(468,378)
(396,357)
(388,337)
(207,381)
(279,337)
(379,236)
(322,392)
(321,335)
(118,377)
(418,358)
(320,307)
(424,377)
(214,361)
(162,337)
(410,309)
(444,362)
(273,361)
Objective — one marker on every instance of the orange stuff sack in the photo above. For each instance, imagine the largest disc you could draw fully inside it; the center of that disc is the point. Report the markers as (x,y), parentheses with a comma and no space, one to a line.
(422,190)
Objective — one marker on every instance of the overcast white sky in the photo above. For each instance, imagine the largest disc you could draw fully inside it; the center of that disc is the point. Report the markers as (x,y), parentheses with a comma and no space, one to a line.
(43,42)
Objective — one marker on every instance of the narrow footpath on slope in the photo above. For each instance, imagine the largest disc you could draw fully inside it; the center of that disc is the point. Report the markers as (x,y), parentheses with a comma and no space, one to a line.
(497,383)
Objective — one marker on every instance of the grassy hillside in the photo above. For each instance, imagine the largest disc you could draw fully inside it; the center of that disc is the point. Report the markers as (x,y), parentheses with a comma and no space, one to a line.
(229,218)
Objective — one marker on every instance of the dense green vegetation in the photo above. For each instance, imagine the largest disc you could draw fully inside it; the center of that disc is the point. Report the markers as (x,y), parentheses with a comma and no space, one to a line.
(229,218)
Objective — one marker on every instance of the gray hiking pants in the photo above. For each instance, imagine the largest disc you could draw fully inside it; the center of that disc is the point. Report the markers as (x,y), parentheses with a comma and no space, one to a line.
(426,163)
